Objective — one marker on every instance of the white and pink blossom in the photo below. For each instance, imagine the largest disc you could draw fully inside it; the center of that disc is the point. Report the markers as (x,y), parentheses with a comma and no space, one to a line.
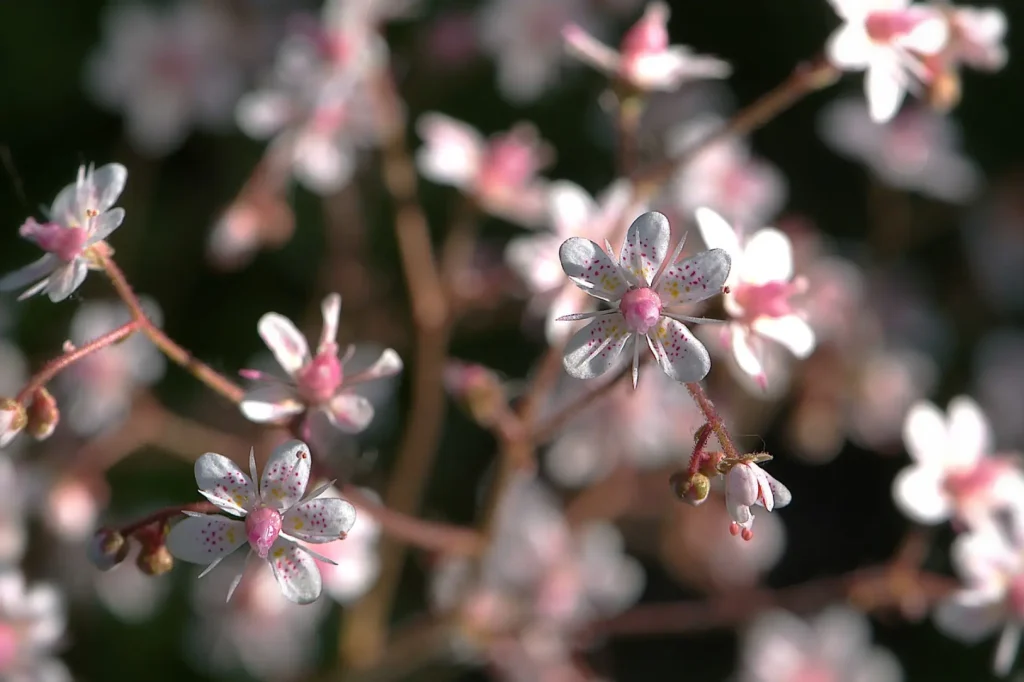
(645,60)
(760,292)
(32,625)
(80,219)
(646,300)
(954,474)
(746,485)
(317,383)
(274,518)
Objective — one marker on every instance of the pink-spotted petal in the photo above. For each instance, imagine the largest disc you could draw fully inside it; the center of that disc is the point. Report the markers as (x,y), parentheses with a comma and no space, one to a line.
(679,353)
(325,519)
(223,483)
(285,341)
(594,349)
(350,412)
(695,278)
(591,269)
(331,311)
(287,473)
(205,539)
(296,572)
(645,246)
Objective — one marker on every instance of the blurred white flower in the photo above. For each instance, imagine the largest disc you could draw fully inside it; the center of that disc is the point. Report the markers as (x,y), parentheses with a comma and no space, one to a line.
(128,593)
(98,390)
(954,474)
(167,69)
(500,173)
(835,645)
(917,150)
(32,623)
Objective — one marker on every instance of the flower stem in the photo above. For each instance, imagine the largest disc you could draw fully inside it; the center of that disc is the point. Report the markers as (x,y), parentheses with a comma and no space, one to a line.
(714,420)
(165,514)
(59,364)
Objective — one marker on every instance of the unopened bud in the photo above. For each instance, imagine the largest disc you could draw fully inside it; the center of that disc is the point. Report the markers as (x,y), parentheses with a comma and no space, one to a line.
(478,389)
(43,414)
(155,560)
(107,549)
(12,420)
(693,490)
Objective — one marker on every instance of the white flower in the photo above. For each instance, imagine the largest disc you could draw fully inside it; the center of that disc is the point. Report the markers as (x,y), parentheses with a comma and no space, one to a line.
(166,69)
(834,646)
(992,568)
(32,623)
(572,213)
(355,562)
(100,387)
(501,173)
(81,217)
(746,485)
(317,382)
(643,295)
(916,150)
(276,519)
(887,39)
(761,284)
(645,59)
(953,474)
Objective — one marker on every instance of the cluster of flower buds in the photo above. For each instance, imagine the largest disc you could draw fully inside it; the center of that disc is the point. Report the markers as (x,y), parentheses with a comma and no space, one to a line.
(38,416)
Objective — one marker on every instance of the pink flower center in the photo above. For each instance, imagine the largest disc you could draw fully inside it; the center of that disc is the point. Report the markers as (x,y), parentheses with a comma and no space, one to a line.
(884,27)
(510,163)
(319,380)
(647,36)
(641,309)
(766,300)
(66,243)
(814,672)
(978,480)
(262,526)
(9,645)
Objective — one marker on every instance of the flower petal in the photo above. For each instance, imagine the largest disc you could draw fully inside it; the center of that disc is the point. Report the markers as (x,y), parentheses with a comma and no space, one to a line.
(107,184)
(740,493)
(324,519)
(765,494)
(792,331)
(917,491)
(452,153)
(924,433)
(262,113)
(387,365)
(350,412)
(767,257)
(849,47)
(296,572)
(570,208)
(285,341)
(884,91)
(594,349)
(204,539)
(970,437)
(65,280)
(591,269)
(645,246)
(330,309)
(969,615)
(679,353)
(718,233)
(104,224)
(223,483)
(287,473)
(32,272)
(696,278)
(273,403)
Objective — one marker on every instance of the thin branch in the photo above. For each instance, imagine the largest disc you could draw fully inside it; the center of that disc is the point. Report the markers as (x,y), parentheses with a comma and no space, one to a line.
(166,514)
(716,423)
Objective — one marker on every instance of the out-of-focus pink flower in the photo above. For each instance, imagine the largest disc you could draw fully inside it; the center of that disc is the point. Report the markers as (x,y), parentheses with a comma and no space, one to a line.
(916,150)
(81,218)
(166,70)
(954,474)
(835,646)
(356,562)
(991,564)
(277,519)
(759,292)
(887,39)
(572,213)
(71,508)
(259,217)
(889,381)
(501,173)
(525,37)
(32,623)
(99,388)
(649,295)
(724,176)
(317,382)
(976,37)
(645,60)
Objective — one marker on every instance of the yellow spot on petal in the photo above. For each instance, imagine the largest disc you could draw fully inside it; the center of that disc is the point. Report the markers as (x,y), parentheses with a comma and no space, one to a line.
(277,492)
(298,524)
(241,500)
(279,552)
(230,535)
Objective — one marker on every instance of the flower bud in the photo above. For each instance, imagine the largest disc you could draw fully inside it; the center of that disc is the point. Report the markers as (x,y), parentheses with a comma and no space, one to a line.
(43,414)
(12,420)
(478,390)
(693,490)
(155,560)
(107,549)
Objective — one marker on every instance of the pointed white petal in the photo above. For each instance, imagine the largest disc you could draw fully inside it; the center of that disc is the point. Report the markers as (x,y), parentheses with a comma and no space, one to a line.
(645,246)
(286,476)
(591,269)
(320,520)
(223,482)
(679,353)
(593,350)
(695,279)
(296,572)
(285,341)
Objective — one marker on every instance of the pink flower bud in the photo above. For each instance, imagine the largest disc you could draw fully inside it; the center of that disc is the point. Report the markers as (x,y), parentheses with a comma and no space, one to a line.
(107,549)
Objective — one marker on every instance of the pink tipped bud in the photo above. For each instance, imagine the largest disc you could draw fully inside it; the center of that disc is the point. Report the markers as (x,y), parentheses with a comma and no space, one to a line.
(43,414)
(649,35)
(12,420)
(478,389)
(693,490)
(155,560)
(262,526)
(747,534)
(107,549)
(734,528)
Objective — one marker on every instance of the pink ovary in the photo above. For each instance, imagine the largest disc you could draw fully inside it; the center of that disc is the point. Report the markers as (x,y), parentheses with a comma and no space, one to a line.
(884,27)
(978,481)
(648,36)
(262,526)
(766,300)
(66,243)
(641,309)
(320,379)
(510,163)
